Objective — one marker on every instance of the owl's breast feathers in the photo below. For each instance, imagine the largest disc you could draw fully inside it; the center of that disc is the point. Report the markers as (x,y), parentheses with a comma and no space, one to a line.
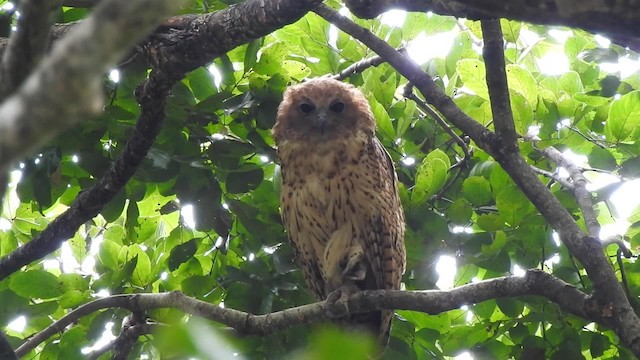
(338,198)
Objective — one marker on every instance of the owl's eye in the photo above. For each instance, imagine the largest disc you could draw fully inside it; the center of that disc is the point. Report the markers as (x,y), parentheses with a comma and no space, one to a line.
(307,108)
(337,106)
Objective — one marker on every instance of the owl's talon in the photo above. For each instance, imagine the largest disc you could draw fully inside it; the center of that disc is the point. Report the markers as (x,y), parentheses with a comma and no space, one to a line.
(337,304)
(355,269)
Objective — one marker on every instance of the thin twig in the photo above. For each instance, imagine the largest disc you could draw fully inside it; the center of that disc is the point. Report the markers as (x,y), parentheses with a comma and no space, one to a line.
(554,176)
(361,66)
(580,192)
(409,94)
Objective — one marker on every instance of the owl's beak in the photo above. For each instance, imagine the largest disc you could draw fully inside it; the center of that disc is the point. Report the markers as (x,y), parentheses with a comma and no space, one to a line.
(321,122)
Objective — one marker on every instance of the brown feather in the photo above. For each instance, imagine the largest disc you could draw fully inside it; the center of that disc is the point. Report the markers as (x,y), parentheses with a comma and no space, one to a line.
(339,196)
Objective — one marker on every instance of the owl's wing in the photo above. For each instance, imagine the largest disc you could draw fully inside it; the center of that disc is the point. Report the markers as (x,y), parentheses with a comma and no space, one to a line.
(383,241)
(385,229)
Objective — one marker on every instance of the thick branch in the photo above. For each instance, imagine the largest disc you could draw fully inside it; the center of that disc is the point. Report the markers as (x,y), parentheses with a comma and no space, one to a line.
(74,71)
(587,250)
(496,74)
(190,41)
(616,19)
(6,351)
(26,45)
(534,283)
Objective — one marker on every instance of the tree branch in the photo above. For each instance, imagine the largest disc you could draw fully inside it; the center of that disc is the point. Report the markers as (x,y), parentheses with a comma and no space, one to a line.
(427,110)
(26,45)
(610,298)
(580,192)
(6,351)
(612,19)
(496,74)
(74,71)
(533,283)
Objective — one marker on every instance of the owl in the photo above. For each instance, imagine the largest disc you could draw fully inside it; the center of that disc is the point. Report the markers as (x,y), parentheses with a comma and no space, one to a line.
(339,199)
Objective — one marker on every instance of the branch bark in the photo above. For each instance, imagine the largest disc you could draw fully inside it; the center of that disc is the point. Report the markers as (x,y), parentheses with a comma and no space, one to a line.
(496,73)
(533,283)
(74,71)
(615,19)
(26,45)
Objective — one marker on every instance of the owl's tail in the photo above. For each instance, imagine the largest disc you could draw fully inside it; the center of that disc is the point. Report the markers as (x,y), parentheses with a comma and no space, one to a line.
(376,323)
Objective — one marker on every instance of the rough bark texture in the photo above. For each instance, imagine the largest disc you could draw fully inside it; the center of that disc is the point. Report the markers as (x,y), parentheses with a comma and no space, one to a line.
(616,19)
(74,71)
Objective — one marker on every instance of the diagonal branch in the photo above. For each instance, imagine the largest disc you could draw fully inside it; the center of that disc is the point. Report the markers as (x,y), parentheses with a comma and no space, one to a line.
(579,188)
(609,296)
(533,283)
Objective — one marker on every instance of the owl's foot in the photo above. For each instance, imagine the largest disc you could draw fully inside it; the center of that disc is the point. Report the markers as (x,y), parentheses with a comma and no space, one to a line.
(337,305)
(355,268)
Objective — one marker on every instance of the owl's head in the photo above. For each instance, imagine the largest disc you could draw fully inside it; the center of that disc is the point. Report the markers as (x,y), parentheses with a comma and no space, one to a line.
(322,109)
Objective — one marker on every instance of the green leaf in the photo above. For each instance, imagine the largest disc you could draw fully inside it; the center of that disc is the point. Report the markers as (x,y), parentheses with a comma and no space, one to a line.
(624,117)
(510,307)
(513,205)
(571,82)
(111,212)
(459,212)
(385,126)
(477,190)
(73,298)
(510,30)
(251,54)
(135,256)
(599,344)
(182,253)
(521,81)
(244,179)
(38,284)
(430,177)
(201,83)
(108,254)
(473,75)
(600,158)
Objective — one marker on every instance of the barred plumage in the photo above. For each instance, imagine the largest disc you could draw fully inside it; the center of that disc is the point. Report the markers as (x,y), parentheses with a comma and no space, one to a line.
(339,200)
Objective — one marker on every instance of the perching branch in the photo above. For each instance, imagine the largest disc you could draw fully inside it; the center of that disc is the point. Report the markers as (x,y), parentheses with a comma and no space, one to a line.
(533,283)
(611,299)
(74,71)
